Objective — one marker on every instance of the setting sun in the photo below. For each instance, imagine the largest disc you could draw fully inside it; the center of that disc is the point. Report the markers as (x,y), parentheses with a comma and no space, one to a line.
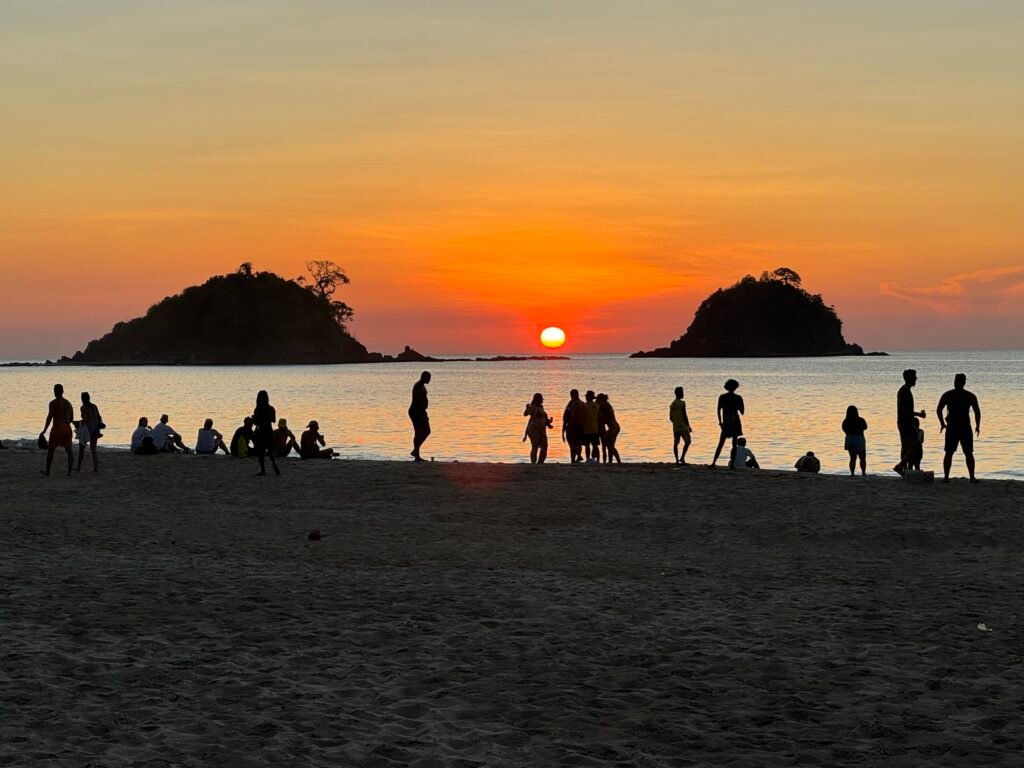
(552,338)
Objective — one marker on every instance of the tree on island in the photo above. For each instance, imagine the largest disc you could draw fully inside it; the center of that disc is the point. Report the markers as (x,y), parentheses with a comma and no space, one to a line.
(327,277)
(769,316)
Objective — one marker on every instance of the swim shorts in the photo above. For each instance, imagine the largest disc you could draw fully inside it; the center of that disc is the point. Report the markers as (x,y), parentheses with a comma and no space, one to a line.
(963,438)
(60,436)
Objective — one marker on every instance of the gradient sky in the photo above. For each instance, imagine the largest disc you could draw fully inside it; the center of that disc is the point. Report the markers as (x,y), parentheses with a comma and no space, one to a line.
(483,169)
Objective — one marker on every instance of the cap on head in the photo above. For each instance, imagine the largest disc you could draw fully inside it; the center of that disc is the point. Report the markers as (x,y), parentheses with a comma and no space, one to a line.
(247,421)
(732,385)
(313,425)
(590,394)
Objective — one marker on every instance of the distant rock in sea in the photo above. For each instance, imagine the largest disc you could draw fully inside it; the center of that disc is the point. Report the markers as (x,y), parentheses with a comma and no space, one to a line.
(768,317)
(247,317)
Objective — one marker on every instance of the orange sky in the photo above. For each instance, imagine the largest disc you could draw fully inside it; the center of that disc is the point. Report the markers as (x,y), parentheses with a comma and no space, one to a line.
(483,172)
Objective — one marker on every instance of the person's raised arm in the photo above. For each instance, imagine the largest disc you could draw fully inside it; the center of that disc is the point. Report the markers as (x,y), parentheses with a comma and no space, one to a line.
(938,410)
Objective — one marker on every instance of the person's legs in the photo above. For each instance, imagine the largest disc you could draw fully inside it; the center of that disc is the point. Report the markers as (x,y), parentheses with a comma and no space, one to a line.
(718,450)
(676,437)
(94,454)
(71,457)
(863,462)
(969,458)
(686,446)
(542,455)
(853,463)
(49,456)
(81,457)
(947,465)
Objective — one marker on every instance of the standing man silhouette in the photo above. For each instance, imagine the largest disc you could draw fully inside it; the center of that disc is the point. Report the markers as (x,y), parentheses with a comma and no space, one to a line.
(905,421)
(959,403)
(61,413)
(418,415)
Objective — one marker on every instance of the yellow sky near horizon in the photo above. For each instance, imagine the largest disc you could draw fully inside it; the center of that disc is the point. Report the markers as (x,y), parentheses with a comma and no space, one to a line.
(483,170)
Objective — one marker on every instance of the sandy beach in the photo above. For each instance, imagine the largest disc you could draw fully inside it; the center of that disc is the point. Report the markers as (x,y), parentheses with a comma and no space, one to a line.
(171,611)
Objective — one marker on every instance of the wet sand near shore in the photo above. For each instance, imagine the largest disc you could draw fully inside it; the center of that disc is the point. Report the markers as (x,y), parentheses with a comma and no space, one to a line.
(172,611)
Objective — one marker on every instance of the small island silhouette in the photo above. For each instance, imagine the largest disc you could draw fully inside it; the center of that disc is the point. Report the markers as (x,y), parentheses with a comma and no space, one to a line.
(772,316)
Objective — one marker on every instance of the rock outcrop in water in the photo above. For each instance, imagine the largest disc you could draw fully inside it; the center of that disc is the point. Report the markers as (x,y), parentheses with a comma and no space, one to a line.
(767,317)
(247,317)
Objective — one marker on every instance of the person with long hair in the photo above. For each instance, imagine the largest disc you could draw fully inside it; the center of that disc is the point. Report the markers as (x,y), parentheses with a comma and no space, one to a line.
(730,407)
(854,427)
(537,429)
(92,422)
(263,418)
(610,429)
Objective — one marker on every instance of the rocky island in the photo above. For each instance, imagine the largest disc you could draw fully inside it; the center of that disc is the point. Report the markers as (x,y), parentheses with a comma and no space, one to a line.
(770,316)
(247,317)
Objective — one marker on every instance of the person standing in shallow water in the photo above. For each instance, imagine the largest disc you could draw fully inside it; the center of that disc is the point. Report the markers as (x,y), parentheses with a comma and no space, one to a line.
(730,407)
(907,422)
(855,443)
(263,418)
(61,414)
(681,428)
(537,429)
(956,422)
(418,415)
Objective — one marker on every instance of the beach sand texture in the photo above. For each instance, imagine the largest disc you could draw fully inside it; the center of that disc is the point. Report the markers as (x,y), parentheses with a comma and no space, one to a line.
(171,612)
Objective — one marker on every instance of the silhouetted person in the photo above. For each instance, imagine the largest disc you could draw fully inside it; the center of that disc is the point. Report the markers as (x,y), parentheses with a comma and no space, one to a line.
(855,443)
(537,426)
(312,443)
(808,463)
(958,404)
(284,440)
(730,407)
(166,438)
(418,415)
(209,440)
(60,414)
(263,418)
(241,441)
(92,422)
(681,428)
(906,421)
(142,439)
(591,433)
(741,457)
(572,426)
(609,429)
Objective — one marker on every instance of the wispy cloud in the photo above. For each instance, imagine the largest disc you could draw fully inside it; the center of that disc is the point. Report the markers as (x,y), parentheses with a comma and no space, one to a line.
(985,291)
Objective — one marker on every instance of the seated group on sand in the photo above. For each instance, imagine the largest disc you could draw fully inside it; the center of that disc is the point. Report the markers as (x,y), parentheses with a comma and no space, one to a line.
(164,439)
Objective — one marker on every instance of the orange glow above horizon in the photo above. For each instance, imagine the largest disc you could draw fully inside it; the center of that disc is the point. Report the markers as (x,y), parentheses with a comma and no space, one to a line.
(476,167)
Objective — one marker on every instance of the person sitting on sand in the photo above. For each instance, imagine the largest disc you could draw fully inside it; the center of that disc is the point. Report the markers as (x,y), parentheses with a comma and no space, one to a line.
(311,443)
(591,429)
(957,424)
(241,441)
(209,440)
(142,439)
(808,463)
(680,426)
(93,424)
(284,440)
(855,443)
(610,429)
(167,439)
(730,407)
(742,457)
(572,426)
(537,429)
(61,414)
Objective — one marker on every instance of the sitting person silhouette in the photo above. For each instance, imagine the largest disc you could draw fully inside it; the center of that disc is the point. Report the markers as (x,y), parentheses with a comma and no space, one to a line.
(241,441)
(166,438)
(142,439)
(284,440)
(312,442)
(742,457)
(808,463)
(209,440)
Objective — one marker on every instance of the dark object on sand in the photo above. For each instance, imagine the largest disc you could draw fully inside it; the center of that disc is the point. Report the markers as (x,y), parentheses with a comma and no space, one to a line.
(314,535)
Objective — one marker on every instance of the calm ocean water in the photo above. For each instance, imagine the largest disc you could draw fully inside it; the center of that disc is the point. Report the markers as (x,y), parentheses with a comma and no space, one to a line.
(793,405)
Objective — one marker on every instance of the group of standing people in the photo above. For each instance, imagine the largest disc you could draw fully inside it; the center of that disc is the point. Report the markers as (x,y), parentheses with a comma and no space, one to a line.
(589,428)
